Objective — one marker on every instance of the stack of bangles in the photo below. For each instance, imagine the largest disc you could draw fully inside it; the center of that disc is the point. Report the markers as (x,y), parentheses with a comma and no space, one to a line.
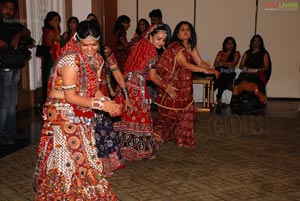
(97,103)
(125,92)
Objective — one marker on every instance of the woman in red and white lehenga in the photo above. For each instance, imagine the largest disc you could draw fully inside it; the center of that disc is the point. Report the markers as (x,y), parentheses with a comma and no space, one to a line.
(135,127)
(68,167)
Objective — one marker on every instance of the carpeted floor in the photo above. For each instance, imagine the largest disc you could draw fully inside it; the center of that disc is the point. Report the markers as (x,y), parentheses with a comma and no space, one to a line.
(237,158)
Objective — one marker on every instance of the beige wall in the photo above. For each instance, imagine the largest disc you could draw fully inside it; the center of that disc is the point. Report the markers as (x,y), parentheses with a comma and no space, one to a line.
(220,18)
(281,32)
(81,8)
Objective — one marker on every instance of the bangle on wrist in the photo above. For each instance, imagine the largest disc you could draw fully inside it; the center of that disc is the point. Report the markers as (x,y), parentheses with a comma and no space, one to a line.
(125,92)
(104,98)
(97,103)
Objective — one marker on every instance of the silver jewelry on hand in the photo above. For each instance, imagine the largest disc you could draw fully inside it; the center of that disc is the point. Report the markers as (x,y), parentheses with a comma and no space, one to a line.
(67,87)
(97,103)
(103,98)
(125,92)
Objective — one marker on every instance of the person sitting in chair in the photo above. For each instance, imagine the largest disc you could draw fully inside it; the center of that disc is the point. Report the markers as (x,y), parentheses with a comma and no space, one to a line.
(249,92)
(225,62)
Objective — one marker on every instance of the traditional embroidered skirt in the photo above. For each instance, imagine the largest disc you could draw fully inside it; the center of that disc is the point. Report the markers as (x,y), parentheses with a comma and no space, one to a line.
(68,167)
(136,130)
(108,144)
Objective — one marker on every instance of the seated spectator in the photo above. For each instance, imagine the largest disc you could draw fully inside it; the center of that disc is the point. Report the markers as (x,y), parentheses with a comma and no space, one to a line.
(225,62)
(249,92)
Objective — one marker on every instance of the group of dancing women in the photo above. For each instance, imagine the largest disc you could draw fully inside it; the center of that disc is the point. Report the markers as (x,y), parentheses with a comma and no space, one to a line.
(88,134)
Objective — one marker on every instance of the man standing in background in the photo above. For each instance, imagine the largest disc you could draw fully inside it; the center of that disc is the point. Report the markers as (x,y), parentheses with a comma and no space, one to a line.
(156,18)
(13,36)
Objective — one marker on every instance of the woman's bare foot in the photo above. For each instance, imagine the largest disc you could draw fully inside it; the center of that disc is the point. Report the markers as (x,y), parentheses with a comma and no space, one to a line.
(151,157)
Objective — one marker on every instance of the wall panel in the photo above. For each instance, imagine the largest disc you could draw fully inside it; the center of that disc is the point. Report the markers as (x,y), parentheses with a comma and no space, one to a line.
(218,19)
(281,32)
(81,8)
